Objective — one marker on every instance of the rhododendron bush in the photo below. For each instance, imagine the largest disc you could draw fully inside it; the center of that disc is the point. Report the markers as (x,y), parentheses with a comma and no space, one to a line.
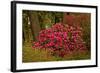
(60,40)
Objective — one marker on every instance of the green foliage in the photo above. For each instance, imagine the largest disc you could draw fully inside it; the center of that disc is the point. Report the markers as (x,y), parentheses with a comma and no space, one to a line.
(42,55)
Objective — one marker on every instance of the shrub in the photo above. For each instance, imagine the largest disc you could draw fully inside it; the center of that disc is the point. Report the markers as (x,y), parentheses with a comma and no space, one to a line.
(61,40)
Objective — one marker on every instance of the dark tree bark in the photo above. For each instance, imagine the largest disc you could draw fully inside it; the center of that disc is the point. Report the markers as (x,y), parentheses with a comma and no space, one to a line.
(34,24)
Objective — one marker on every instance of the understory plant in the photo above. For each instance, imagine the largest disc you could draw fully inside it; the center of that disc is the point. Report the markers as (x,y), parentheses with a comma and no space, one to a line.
(60,39)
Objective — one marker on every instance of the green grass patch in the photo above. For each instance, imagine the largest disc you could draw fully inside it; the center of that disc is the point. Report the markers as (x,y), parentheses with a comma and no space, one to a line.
(40,55)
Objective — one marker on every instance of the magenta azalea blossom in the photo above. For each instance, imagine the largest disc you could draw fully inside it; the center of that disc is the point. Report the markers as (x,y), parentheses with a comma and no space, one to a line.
(59,37)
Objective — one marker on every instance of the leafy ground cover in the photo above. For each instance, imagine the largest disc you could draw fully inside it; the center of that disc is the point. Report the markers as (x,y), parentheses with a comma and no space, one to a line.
(38,55)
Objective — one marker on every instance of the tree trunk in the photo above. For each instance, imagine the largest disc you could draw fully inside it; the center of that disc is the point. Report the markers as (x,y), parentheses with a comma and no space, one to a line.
(34,24)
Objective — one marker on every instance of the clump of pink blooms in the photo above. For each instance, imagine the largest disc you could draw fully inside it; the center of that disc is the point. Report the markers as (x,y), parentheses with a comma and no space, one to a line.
(60,39)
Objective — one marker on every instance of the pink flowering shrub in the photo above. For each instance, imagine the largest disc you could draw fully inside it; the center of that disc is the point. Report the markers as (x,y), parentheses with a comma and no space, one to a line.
(60,39)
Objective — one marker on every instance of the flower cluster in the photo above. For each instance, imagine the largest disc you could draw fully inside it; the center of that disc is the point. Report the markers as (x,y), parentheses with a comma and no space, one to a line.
(60,39)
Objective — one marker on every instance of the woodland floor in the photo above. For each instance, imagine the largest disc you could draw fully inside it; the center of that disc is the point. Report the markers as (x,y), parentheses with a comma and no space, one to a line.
(35,55)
